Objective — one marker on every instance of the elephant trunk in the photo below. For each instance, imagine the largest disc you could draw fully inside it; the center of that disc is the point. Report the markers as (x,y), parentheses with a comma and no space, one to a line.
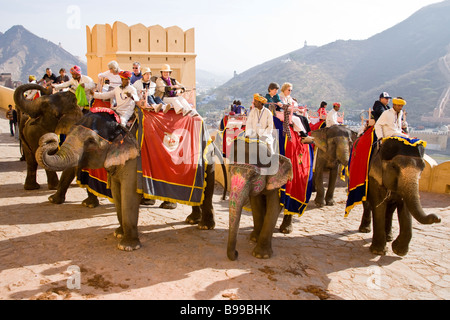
(49,157)
(409,186)
(239,192)
(30,107)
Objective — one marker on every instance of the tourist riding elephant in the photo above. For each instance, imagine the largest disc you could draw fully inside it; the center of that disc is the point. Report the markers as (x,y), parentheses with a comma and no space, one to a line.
(256,179)
(98,141)
(49,113)
(394,175)
(333,151)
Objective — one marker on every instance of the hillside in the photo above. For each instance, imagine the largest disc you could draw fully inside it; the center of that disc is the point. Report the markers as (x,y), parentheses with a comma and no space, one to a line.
(403,60)
(22,53)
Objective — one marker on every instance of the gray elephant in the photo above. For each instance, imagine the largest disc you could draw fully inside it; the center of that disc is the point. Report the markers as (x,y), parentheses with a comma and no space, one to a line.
(48,113)
(256,180)
(394,174)
(98,141)
(333,151)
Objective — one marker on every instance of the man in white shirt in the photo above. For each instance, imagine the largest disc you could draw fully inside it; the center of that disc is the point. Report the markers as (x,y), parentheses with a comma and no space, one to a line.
(77,80)
(390,122)
(332,116)
(259,123)
(125,96)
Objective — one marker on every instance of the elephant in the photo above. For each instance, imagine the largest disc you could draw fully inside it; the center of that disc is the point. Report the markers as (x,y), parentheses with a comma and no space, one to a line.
(393,183)
(98,141)
(333,150)
(258,182)
(49,113)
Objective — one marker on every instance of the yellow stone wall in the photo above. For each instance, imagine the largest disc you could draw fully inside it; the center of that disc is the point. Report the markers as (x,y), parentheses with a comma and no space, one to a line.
(152,46)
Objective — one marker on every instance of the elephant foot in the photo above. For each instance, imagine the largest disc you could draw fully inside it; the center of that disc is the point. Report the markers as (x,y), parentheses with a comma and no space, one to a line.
(330,202)
(365,229)
(206,225)
(32,186)
(56,198)
(262,253)
(129,244)
(399,249)
(91,202)
(194,217)
(378,250)
(319,204)
(254,236)
(148,202)
(232,255)
(118,233)
(168,205)
(286,225)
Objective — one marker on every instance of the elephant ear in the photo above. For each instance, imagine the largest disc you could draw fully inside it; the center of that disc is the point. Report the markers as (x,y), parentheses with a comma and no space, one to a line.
(122,149)
(320,139)
(283,175)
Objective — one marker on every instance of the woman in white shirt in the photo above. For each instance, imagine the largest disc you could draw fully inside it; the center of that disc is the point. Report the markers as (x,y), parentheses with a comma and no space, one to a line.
(286,98)
(112,74)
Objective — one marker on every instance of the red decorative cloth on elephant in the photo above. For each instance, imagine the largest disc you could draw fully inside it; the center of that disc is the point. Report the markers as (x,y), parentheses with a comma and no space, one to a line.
(295,195)
(173,165)
(96,181)
(318,125)
(358,172)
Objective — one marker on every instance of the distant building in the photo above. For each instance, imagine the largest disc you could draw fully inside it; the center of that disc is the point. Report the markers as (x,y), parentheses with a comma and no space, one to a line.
(5,80)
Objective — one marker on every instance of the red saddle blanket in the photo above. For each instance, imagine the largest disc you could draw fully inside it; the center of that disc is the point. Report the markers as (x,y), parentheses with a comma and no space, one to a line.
(358,171)
(172,166)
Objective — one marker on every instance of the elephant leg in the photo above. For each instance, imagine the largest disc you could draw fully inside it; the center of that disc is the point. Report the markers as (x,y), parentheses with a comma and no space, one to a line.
(263,249)
(207,211)
(286,225)
(379,225)
(366,220)
(331,186)
(195,216)
(258,205)
(401,245)
(320,190)
(126,201)
(391,206)
(91,201)
(31,180)
(66,179)
(52,180)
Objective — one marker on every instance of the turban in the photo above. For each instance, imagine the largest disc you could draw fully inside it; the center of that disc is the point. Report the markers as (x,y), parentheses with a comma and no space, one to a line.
(125,74)
(259,98)
(75,69)
(31,78)
(398,101)
(336,104)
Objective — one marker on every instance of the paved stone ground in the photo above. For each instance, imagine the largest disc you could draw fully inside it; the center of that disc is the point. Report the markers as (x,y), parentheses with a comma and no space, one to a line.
(45,249)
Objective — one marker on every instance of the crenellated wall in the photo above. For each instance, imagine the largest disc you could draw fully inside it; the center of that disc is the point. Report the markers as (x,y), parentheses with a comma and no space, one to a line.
(152,46)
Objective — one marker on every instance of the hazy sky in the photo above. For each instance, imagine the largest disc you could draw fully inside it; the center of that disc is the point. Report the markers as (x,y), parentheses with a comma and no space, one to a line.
(230,35)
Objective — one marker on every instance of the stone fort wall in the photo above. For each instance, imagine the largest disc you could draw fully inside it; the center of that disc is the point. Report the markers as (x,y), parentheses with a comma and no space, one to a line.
(152,46)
